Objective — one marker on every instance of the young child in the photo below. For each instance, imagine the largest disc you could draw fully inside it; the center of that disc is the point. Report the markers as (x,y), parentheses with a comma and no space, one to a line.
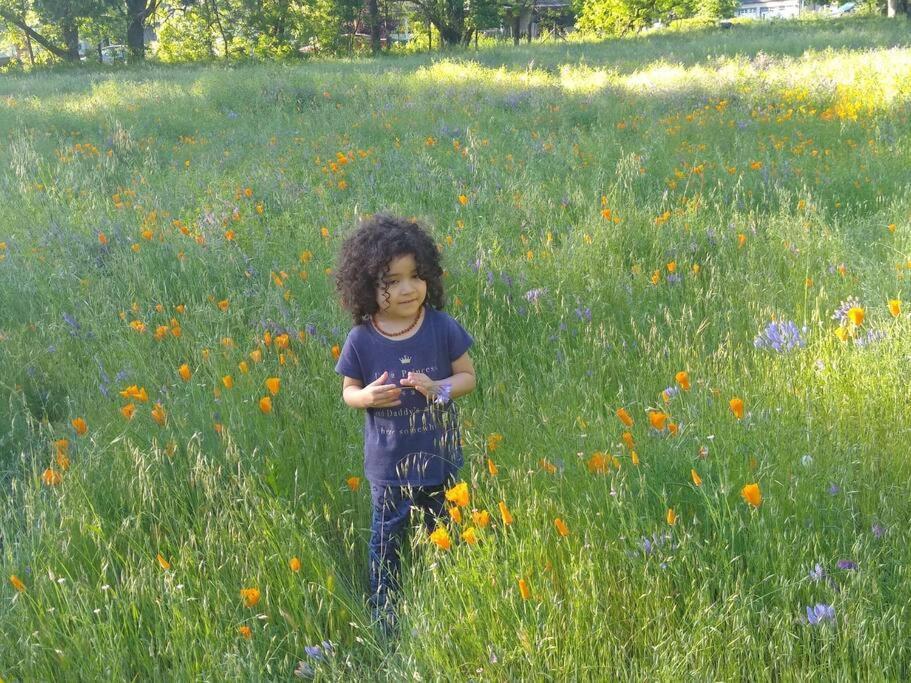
(404,361)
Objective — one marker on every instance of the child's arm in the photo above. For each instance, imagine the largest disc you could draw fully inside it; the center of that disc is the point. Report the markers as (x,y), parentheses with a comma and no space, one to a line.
(374,395)
(460,383)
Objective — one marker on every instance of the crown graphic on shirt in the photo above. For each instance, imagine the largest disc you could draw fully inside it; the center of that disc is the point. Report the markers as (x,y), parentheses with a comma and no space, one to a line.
(405,360)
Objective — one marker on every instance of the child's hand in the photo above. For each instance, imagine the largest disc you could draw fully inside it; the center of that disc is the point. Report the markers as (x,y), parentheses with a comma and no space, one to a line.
(379,395)
(421,383)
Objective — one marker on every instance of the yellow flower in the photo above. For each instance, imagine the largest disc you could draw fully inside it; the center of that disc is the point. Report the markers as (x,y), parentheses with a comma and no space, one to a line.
(469,535)
(895,307)
(228,381)
(856,315)
(336,351)
(671,516)
(17,583)
(751,494)
(256,355)
(223,304)
(354,483)
(250,596)
(683,379)
(628,440)
(163,563)
(295,564)
(245,632)
(458,494)
(492,467)
(562,529)
(456,515)
(597,463)
(697,480)
(265,405)
(463,199)
(493,441)
(441,538)
(634,457)
(243,367)
(128,410)
(273,384)
(184,372)
(736,405)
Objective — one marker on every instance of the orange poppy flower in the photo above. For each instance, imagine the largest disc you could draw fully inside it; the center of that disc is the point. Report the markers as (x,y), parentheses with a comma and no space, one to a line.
(159,415)
(481,518)
(562,529)
(657,419)
(596,463)
(524,590)
(895,307)
(223,304)
(265,405)
(273,384)
(683,379)
(505,513)
(456,515)
(697,480)
(245,632)
(736,405)
(250,596)
(184,372)
(752,495)
(80,426)
(163,563)
(856,316)
(256,355)
(336,351)
(128,410)
(492,467)
(295,564)
(243,367)
(17,583)
(51,477)
(470,536)
(628,440)
(228,381)
(458,494)
(625,417)
(671,516)
(441,538)
(354,483)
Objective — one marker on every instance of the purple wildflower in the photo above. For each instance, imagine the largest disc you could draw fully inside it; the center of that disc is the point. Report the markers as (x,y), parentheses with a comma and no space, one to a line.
(584,313)
(817,573)
(869,338)
(834,489)
(310,328)
(670,392)
(314,652)
(444,391)
(848,565)
(780,337)
(820,613)
(533,295)
(878,530)
(673,278)
(71,321)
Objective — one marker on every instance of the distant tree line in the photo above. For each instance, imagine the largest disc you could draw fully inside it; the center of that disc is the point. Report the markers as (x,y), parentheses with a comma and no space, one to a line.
(202,29)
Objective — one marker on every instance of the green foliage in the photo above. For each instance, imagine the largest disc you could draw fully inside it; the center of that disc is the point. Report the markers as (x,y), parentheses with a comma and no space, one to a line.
(185,37)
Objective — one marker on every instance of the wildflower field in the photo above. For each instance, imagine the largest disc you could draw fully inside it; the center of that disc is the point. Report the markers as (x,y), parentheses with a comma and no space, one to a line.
(684,259)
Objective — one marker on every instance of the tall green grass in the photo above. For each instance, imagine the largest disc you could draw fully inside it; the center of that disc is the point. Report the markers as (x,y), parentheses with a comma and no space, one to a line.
(671,196)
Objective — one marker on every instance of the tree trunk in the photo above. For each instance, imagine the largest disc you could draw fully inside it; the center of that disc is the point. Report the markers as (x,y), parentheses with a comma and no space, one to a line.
(31,52)
(891,8)
(373,12)
(70,33)
(136,18)
(30,33)
(516,21)
(226,41)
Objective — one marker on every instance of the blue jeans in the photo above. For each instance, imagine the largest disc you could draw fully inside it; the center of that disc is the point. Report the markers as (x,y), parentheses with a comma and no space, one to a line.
(391,512)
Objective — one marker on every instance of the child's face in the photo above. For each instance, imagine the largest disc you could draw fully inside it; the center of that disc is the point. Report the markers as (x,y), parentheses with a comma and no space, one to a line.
(401,292)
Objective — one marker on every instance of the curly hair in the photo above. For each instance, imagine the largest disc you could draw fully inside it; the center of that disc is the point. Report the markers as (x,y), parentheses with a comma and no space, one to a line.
(365,257)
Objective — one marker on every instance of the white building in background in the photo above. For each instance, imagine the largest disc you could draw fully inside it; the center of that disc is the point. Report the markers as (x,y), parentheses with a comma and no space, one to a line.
(768,9)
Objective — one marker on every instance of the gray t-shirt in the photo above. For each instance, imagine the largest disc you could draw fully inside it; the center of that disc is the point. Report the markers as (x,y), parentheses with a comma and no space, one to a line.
(416,443)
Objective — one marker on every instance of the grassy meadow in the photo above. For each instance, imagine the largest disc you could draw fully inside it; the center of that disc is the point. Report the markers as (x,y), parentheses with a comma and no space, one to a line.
(685,261)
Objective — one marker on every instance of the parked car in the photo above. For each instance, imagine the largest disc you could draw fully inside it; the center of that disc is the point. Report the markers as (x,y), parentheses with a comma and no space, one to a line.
(113,54)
